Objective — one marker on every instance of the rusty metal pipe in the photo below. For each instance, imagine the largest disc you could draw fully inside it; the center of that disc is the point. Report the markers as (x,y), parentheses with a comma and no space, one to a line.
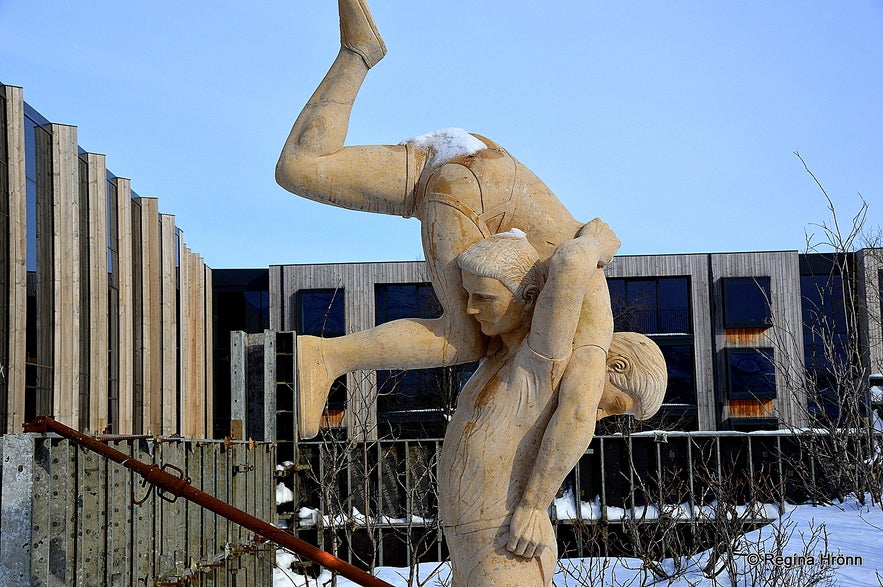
(179,487)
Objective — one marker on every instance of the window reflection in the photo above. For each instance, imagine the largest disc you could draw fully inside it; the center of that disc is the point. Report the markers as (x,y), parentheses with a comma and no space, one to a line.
(658,305)
(747,302)
(751,374)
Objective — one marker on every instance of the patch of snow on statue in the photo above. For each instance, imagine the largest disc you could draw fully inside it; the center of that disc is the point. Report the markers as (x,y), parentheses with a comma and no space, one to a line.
(446,143)
(513,233)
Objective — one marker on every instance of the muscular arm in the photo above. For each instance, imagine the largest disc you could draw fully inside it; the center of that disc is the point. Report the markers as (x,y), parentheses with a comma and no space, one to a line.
(560,303)
(571,427)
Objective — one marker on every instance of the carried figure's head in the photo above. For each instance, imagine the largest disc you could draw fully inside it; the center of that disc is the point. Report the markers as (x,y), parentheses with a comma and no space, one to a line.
(636,377)
(503,278)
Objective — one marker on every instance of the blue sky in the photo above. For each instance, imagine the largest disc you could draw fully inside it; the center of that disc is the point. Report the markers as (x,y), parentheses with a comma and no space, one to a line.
(676,122)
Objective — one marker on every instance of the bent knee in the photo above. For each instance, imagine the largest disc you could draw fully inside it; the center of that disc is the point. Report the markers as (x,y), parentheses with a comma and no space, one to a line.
(296,173)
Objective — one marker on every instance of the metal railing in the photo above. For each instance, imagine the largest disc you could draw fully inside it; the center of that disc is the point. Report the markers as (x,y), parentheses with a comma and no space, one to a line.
(375,503)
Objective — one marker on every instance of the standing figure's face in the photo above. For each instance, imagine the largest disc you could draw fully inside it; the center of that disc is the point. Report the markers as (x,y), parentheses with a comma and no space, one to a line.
(497,309)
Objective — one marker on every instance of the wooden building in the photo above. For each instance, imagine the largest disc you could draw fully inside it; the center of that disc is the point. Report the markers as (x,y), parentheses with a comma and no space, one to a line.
(105,313)
(740,331)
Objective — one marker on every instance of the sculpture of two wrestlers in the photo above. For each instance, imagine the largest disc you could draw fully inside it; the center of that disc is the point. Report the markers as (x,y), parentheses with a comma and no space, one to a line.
(523,291)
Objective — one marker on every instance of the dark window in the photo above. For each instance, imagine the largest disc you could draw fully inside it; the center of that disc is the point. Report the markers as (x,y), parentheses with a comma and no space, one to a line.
(681,370)
(320,312)
(415,402)
(746,302)
(751,374)
(84,300)
(658,305)
(139,344)
(405,300)
(241,301)
(751,424)
(113,306)
(825,331)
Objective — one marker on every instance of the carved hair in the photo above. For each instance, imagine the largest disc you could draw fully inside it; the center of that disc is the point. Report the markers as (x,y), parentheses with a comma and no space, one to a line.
(636,366)
(507,257)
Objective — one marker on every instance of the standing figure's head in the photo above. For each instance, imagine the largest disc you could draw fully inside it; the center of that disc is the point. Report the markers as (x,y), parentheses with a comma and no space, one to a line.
(503,277)
(636,377)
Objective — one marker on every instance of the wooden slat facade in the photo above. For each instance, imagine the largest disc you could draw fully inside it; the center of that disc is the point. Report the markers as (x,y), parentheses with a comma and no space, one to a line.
(694,266)
(785,336)
(870,269)
(169,287)
(126,303)
(153,330)
(18,276)
(98,311)
(709,337)
(66,274)
(357,281)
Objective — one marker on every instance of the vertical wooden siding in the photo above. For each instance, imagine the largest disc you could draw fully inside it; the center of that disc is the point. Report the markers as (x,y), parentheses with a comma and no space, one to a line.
(66,274)
(17,258)
(785,336)
(98,283)
(172,389)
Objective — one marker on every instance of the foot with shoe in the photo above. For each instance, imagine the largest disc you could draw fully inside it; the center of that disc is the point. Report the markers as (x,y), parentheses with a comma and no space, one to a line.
(358,33)
(313,385)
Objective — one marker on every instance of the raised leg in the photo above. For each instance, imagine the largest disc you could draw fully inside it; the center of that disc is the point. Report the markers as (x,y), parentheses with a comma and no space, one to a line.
(314,163)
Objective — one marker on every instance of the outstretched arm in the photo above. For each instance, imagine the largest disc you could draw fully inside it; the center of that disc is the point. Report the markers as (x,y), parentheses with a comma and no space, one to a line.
(572,283)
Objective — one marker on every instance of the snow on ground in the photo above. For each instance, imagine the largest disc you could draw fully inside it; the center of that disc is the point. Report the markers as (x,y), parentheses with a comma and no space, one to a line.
(848,537)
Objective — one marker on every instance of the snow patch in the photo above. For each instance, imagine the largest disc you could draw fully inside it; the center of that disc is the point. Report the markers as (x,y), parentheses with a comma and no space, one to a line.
(852,530)
(285,576)
(513,233)
(283,494)
(445,144)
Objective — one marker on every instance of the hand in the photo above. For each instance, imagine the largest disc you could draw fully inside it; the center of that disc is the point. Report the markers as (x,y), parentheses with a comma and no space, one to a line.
(527,532)
(608,243)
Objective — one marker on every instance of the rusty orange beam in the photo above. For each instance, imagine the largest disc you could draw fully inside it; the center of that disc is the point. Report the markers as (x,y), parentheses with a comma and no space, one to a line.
(180,487)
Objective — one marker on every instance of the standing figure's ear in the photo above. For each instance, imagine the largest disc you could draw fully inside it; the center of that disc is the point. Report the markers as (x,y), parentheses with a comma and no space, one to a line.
(529,296)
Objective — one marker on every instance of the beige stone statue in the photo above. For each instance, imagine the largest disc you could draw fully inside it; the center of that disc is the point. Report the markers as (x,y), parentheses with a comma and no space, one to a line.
(464,188)
(508,445)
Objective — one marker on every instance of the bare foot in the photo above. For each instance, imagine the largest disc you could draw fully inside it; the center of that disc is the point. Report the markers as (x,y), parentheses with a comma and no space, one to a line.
(358,33)
(313,385)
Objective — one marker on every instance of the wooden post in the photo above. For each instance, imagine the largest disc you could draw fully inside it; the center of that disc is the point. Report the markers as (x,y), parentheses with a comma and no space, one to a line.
(151,315)
(98,309)
(124,272)
(66,277)
(238,353)
(18,275)
(169,328)
(269,386)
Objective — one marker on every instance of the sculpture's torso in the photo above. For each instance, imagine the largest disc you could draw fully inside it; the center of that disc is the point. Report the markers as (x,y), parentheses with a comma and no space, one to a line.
(499,193)
(491,440)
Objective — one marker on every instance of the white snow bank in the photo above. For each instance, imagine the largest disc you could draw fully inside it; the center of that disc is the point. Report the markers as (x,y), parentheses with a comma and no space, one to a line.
(283,494)
(307,517)
(445,144)
(565,509)
(854,542)
(284,576)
